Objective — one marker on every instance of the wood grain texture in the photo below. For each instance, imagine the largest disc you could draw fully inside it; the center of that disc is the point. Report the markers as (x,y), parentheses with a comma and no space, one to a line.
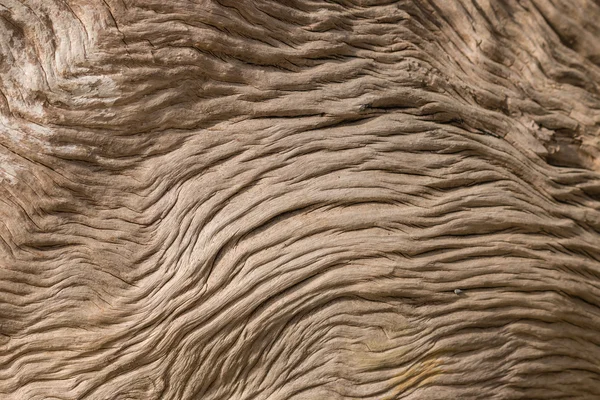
(279,199)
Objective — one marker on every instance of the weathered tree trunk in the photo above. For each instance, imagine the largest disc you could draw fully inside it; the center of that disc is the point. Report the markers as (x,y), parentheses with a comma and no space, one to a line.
(268,199)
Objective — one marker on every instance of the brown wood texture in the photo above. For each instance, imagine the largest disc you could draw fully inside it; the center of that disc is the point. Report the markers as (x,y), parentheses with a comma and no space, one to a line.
(230,199)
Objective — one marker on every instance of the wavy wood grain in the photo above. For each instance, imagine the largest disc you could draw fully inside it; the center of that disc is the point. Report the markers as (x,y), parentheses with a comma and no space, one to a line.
(279,199)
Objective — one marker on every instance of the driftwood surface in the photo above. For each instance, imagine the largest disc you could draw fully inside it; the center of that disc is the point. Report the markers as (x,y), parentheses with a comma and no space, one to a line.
(231,199)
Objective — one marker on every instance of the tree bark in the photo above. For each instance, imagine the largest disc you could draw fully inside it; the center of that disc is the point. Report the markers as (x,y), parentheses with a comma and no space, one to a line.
(360,199)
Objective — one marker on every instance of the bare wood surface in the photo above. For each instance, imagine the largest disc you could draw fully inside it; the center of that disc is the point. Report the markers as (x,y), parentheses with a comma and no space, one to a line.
(299,199)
